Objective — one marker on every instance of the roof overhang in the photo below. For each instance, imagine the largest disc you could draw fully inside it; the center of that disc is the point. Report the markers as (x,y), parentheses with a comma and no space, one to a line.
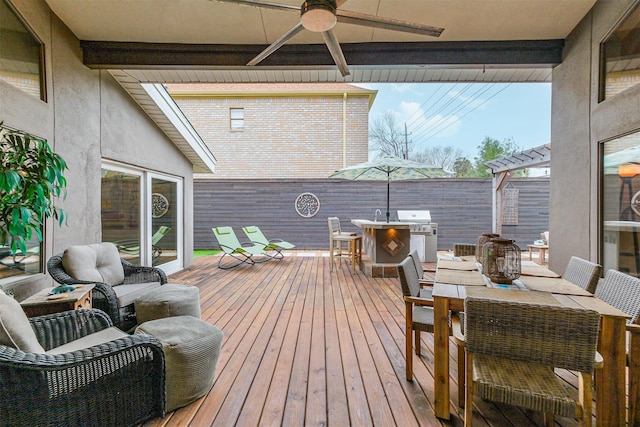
(162,109)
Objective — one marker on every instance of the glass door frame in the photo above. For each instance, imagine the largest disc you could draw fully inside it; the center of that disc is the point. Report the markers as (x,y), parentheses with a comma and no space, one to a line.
(146,220)
(178,263)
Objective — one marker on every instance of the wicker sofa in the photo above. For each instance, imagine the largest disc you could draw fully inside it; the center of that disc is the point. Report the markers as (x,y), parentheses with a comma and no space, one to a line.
(119,382)
(117,282)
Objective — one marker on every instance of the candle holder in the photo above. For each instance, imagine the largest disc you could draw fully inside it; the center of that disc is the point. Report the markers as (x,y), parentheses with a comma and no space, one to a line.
(482,239)
(501,260)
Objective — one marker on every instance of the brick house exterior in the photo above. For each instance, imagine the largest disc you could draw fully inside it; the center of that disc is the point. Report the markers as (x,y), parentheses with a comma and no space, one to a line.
(289,130)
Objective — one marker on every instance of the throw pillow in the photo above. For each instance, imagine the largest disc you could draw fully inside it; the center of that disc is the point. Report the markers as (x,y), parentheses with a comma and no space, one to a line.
(99,262)
(15,329)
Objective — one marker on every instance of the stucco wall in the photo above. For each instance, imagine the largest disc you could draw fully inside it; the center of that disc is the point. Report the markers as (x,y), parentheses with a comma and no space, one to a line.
(87,117)
(578,125)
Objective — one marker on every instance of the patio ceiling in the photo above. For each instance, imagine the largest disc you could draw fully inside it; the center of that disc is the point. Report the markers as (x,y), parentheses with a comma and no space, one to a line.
(162,41)
(151,42)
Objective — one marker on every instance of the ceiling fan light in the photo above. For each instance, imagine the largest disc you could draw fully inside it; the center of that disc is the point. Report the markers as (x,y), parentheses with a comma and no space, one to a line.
(318,15)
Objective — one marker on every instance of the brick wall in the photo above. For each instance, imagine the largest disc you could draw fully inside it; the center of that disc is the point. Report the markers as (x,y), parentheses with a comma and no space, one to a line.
(283,137)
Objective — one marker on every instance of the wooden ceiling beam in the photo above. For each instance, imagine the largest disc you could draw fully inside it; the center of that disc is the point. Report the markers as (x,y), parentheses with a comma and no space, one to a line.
(134,55)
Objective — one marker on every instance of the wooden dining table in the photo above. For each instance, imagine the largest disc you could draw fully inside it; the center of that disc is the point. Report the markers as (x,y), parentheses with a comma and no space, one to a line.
(453,286)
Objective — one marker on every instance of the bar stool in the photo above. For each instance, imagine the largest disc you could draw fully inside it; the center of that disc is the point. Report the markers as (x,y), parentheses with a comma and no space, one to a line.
(336,239)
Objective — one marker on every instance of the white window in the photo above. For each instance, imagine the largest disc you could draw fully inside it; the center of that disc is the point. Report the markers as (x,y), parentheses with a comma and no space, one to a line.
(620,57)
(21,54)
(237,118)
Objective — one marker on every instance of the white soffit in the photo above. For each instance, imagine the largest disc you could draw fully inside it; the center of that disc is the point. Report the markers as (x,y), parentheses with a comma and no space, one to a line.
(380,74)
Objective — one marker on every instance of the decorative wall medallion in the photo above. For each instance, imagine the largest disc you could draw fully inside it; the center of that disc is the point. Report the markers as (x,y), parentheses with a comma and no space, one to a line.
(635,203)
(159,205)
(307,205)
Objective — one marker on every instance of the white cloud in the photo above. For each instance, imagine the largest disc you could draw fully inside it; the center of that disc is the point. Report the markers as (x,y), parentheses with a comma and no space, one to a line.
(423,126)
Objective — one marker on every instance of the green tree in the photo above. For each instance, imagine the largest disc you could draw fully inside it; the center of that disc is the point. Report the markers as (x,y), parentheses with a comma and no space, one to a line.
(490,149)
(387,137)
(463,168)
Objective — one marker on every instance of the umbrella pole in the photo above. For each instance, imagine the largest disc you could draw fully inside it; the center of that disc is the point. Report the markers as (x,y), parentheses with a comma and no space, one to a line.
(388,179)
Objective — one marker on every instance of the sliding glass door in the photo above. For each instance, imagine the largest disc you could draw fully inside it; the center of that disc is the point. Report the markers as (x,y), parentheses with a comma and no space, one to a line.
(142,215)
(166,211)
(621,204)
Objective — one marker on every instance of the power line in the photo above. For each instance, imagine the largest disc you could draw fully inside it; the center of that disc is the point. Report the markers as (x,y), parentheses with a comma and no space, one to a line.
(409,121)
(443,107)
(479,105)
(447,117)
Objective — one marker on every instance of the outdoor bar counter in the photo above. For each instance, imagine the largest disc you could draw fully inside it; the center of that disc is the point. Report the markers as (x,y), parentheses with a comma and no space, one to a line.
(385,242)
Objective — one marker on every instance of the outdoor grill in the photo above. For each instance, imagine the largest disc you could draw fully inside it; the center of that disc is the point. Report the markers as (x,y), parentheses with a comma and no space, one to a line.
(424,234)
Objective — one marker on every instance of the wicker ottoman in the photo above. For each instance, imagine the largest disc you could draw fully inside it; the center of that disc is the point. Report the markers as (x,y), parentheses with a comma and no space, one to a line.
(191,347)
(167,301)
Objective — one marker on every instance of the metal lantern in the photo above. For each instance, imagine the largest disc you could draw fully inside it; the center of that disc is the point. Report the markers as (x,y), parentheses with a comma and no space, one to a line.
(482,239)
(501,260)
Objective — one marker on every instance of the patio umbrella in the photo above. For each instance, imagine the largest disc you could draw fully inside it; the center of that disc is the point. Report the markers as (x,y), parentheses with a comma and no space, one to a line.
(389,169)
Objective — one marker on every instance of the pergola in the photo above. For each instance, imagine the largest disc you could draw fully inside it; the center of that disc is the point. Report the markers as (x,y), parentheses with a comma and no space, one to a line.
(501,169)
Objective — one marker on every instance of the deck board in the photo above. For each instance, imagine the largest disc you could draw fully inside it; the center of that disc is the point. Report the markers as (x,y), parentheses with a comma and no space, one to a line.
(304,345)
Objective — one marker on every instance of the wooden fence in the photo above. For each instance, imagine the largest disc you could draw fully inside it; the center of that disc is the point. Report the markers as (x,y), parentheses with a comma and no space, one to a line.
(461,207)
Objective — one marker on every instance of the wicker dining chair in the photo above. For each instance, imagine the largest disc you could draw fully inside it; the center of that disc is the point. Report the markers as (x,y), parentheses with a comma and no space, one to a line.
(512,348)
(464,249)
(622,291)
(633,360)
(583,273)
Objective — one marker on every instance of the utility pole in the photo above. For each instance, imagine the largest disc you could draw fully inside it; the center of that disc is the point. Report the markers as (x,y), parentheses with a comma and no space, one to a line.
(406,142)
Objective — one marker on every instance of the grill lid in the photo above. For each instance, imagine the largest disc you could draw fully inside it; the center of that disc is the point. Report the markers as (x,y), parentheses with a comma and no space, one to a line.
(422,217)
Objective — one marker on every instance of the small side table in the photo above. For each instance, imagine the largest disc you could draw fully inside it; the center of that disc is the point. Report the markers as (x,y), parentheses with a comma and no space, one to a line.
(40,304)
(542,249)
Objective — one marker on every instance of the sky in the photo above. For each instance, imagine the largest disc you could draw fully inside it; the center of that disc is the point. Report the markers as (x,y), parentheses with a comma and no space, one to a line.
(462,115)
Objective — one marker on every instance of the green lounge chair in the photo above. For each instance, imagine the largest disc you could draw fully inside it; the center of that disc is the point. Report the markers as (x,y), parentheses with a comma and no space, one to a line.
(231,246)
(256,236)
(132,247)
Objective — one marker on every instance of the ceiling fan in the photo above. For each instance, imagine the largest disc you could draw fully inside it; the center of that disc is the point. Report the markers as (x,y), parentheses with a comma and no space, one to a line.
(320,16)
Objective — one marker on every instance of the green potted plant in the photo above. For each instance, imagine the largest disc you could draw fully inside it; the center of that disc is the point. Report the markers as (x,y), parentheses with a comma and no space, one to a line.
(31,179)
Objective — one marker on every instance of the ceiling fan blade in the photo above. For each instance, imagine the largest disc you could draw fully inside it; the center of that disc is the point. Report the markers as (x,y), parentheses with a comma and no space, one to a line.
(276,44)
(387,23)
(336,52)
(264,4)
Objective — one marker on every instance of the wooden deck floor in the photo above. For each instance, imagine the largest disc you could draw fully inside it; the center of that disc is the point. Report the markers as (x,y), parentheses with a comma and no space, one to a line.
(305,346)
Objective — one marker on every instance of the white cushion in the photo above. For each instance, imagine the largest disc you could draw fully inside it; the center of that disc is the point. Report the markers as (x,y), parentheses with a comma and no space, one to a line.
(99,262)
(127,294)
(15,329)
(90,340)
